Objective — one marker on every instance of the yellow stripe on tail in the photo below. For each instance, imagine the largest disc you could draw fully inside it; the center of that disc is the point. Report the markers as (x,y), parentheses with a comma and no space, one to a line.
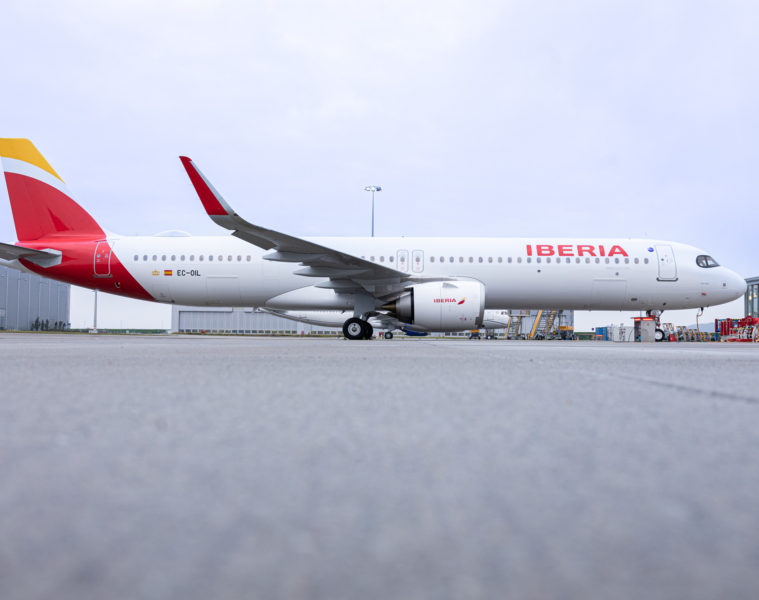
(23,149)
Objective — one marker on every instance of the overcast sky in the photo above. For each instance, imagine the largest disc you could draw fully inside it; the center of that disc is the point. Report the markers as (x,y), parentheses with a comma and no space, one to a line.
(497,119)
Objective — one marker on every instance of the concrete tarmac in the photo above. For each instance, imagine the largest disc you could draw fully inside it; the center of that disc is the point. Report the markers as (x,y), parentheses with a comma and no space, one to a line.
(210,467)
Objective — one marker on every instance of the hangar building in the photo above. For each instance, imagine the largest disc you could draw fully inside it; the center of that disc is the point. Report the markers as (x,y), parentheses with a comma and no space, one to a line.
(752,297)
(194,319)
(213,319)
(25,297)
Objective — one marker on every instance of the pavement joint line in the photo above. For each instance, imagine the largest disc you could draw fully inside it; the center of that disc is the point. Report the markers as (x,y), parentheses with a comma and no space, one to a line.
(674,386)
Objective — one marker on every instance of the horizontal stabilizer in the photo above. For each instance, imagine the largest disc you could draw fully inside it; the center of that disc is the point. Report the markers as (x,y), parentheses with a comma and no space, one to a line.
(43,258)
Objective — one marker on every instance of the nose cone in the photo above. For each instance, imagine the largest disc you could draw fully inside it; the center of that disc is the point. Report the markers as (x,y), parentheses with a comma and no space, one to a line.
(740,284)
(736,284)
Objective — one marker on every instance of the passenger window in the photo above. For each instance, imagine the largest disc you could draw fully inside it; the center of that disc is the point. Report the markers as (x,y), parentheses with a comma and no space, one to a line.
(192,257)
(577,260)
(451,259)
(382,259)
(145,257)
(163,258)
(471,259)
(606,260)
(529,260)
(569,260)
(598,260)
(181,258)
(390,258)
(221,258)
(229,258)
(538,259)
(173,257)
(509,259)
(519,259)
(371,258)
(636,261)
(587,261)
(136,257)
(200,257)
(239,258)
(490,259)
(627,261)
(210,257)
(461,259)
(616,261)
(432,259)
(548,260)
(155,257)
(248,258)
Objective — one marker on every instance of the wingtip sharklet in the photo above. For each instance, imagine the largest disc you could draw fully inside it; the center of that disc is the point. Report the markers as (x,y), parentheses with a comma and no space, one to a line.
(211,199)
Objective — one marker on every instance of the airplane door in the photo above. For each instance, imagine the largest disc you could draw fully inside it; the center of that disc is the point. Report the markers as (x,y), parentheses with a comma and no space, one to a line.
(667,266)
(102,260)
(417,261)
(403,260)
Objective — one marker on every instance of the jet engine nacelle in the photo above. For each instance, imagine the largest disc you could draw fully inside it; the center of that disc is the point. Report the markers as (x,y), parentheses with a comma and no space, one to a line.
(443,306)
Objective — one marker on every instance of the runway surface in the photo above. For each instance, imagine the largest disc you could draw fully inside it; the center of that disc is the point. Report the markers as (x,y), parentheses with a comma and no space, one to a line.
(209,467)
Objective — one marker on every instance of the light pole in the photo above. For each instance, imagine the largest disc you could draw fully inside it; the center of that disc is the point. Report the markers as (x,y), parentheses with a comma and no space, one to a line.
(372,189)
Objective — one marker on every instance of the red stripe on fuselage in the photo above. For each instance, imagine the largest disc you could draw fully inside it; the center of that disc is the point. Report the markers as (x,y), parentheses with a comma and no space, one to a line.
(77,268)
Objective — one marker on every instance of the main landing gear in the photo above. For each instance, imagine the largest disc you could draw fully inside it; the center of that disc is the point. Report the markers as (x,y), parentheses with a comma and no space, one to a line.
(358,329)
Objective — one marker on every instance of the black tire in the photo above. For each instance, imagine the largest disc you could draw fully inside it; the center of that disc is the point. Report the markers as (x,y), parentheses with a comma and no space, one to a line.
(368,331)
(354,329)
(388,335)
(660,336)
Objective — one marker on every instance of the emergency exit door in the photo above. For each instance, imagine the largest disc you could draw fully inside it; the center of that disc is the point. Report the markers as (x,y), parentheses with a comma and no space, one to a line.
(403,260)
(417,261)
(667,266)
(103,260)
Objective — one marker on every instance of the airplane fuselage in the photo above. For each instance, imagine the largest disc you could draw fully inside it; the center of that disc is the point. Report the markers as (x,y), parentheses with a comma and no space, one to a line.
(587,274)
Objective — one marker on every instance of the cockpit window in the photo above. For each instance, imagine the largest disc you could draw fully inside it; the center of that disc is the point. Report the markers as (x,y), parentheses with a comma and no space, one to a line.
(706,262)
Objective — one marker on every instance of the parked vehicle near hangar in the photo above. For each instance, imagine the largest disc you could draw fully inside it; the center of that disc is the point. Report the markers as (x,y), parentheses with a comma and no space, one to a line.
(432,284)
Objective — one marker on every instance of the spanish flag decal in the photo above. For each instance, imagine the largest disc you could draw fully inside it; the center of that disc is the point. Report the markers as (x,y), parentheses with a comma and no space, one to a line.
(168,273)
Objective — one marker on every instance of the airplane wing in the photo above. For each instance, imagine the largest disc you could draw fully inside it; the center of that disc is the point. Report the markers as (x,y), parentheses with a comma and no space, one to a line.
(346,272)
(44,258)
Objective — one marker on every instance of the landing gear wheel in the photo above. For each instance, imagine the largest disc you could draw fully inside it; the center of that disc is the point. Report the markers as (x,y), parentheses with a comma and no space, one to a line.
(659,335)
(354,329)
(368,330)
(388,335)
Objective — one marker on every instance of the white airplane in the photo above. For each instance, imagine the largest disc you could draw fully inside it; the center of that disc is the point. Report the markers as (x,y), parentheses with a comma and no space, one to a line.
(434,284)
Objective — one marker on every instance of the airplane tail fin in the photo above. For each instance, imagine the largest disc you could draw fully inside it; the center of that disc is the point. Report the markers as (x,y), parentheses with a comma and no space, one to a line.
(42,204)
